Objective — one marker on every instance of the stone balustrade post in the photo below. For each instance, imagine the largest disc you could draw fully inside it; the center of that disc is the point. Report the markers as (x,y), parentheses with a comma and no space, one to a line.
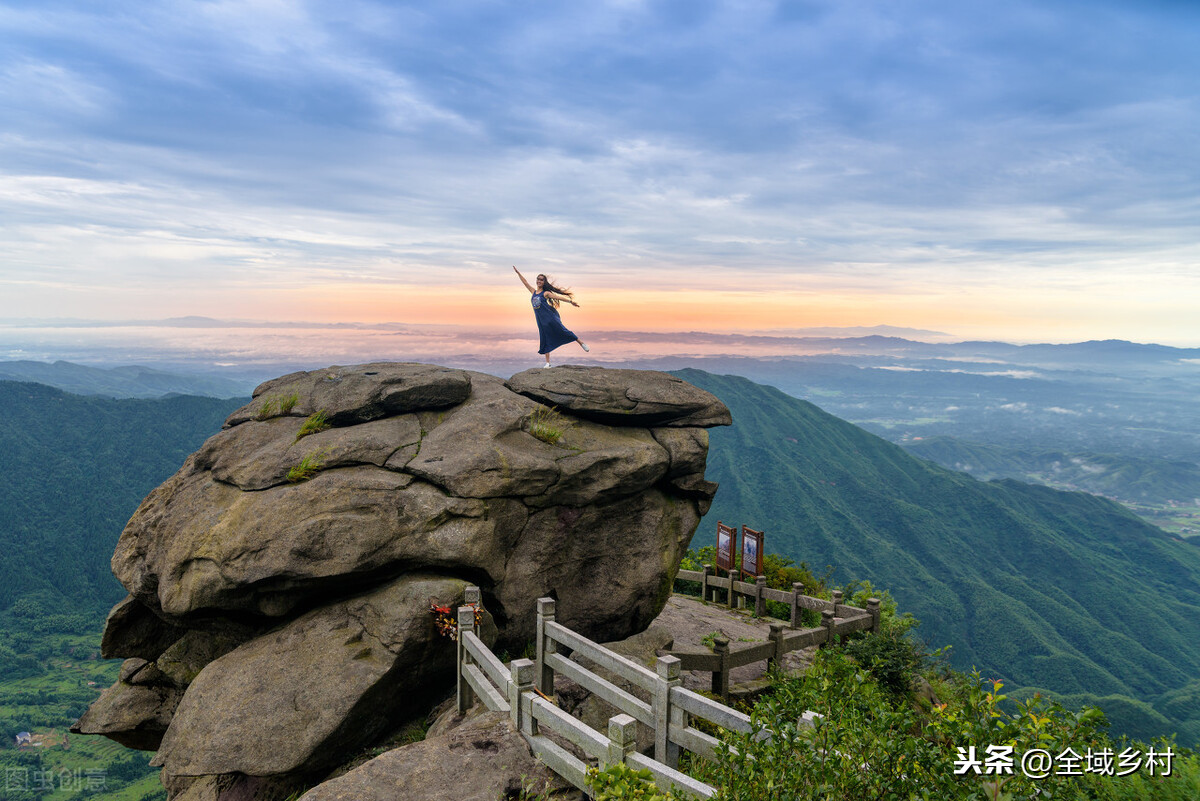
(720,677)
(776,636)
(466,625)
(876,614)
(622,738)
(705,590)
(760,598)
(837,601)
(797,610)
(520,696)
(666,715)
(545,645)
(829,622)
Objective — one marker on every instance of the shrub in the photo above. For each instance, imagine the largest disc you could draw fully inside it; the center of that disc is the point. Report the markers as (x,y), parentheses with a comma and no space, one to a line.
(856,593)
(867,746)
(623,783)
(893,660)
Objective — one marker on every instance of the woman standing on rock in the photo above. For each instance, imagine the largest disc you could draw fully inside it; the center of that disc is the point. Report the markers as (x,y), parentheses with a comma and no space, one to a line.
(545,299)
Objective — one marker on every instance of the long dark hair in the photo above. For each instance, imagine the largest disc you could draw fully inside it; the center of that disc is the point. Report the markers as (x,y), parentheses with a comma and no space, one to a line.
(548,286)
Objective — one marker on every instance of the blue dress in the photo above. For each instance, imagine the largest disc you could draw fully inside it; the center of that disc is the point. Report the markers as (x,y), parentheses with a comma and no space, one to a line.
(551,332)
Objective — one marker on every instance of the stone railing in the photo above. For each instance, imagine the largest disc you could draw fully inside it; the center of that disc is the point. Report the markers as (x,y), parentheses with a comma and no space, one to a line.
(524,690)
(837,619)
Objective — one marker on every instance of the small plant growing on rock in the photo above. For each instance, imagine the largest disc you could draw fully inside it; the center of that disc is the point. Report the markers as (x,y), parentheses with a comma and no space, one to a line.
(267,409)
(309,466)
(275,405)
(316,422)
(530,790)
(547,424)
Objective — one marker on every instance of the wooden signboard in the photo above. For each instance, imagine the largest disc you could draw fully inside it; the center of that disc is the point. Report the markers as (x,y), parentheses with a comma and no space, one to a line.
(726,541)
(752,552)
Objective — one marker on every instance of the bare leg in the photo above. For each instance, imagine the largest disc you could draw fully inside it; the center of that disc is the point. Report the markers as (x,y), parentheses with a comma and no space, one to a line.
(547,360)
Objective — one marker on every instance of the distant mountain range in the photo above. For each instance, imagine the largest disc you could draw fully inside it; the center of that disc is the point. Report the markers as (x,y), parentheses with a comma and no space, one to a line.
(1061,591)
(121,382)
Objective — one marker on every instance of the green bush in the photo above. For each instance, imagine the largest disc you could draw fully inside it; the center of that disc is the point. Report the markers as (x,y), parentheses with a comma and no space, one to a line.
(623,783)
(865,746)
(893,660)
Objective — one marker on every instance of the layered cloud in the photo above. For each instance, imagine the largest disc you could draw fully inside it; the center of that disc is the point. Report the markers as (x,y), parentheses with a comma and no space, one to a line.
(189,152)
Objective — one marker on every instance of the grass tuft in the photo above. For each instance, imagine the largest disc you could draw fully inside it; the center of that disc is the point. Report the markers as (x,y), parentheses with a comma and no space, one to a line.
(275,405)
(316,422)
(267,410)
(547,424)
(309,466)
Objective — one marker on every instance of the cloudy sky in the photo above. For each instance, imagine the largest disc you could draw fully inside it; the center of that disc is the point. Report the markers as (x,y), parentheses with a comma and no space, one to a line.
(1021,170)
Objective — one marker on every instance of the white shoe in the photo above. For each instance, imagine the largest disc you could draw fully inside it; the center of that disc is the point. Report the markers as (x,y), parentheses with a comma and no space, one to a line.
(544,366)
(583,345)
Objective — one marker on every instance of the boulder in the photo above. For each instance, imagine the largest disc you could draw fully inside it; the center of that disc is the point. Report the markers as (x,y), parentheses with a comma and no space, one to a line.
(482,759)
(358,393)
(332,679)
(207,546)
(258,455)
(278,620)
(622,397)
(134,715)
(607,586)
(232,787)
(133,630)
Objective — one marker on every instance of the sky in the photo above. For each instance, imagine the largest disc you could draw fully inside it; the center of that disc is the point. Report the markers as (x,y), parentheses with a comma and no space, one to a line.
(1025,171)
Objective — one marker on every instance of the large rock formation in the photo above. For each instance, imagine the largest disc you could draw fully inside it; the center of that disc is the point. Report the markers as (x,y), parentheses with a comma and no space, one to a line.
(280,583)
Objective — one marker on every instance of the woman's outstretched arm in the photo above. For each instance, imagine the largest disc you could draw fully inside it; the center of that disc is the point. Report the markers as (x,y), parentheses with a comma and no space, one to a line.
(523,281)
(556,296)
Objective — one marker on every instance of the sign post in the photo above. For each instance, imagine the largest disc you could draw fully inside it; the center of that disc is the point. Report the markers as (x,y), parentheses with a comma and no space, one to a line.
(752,552)
(726,540)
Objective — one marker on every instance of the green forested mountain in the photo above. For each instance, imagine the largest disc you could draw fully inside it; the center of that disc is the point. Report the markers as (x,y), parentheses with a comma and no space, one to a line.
(1047,589)
(73,470)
